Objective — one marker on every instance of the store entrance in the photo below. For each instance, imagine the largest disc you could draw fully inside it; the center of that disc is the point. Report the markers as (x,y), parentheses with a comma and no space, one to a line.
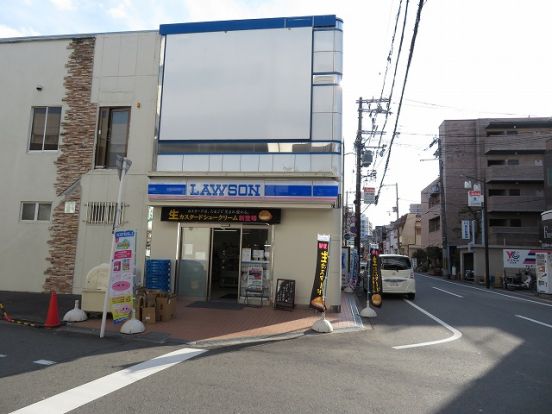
(225,264)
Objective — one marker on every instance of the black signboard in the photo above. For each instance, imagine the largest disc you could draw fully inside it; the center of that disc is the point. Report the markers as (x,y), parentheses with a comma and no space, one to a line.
(285,294)
(318,301)
(375,279)
(221,215)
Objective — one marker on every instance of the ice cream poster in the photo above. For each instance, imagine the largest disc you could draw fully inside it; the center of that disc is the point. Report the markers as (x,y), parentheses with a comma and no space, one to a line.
(121,280)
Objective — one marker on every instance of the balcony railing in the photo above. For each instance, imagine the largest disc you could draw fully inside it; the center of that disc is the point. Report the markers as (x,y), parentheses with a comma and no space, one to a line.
(518,236)
(516,204)
(521,143)
(515,173)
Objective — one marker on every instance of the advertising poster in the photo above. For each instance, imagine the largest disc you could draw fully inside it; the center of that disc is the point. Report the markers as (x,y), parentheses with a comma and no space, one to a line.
(318,300)
(375,279)
(121,280)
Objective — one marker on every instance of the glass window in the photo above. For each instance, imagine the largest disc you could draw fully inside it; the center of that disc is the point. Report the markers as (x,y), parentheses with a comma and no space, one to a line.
(395,263)
(435,224)
(45,128)
(112,138)
(33,211)
(28,211)
(44,210)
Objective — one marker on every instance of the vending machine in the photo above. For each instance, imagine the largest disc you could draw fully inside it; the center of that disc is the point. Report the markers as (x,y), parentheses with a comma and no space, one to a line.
(543,262)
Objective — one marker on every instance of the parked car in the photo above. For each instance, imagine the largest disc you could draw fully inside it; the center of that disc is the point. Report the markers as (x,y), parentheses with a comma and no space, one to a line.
(397,275)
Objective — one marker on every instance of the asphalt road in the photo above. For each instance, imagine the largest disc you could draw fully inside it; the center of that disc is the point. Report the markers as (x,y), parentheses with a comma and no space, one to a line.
(466,352)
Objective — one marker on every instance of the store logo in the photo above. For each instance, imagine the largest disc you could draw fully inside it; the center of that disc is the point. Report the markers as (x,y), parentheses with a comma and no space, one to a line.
(513,256)
(221,190)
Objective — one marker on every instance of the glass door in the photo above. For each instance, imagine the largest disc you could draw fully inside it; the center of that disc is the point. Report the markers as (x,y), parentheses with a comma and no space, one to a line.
(193,263)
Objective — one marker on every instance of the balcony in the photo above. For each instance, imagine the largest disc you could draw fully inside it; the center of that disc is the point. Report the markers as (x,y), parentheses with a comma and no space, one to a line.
(528,143)
(518,204)
(514,236)
(523,173)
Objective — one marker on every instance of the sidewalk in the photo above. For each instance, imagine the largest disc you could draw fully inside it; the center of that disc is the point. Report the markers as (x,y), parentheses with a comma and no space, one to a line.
(212,326)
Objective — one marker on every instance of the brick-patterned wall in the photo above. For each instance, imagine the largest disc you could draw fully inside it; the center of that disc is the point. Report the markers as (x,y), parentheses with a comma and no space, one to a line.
(75,159)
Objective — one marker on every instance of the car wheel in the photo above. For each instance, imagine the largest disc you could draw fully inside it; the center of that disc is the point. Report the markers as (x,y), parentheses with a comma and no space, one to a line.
(411,296)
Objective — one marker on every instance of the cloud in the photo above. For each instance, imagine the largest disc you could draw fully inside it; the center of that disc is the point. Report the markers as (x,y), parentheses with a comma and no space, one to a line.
(64,5)
(121,11)
(6,31)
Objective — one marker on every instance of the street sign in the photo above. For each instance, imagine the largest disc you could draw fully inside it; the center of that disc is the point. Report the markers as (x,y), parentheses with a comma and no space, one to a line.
(475,198)
(369,195)
(466,230)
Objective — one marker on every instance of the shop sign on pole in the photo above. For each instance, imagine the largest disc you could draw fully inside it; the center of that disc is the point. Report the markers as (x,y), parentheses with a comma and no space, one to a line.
(369,195)
(474,198)
(318,293)
(375,294)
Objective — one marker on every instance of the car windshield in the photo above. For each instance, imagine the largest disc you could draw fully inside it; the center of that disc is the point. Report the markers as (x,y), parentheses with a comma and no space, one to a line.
(395,263)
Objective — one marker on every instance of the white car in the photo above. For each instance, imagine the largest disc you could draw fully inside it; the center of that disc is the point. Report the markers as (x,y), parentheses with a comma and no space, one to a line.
(397,275)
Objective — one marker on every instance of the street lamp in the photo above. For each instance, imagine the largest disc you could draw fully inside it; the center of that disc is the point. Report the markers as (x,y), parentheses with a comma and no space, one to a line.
(468,185)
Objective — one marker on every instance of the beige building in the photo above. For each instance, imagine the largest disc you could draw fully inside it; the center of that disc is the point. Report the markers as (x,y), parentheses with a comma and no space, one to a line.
(236,159)
(410,234)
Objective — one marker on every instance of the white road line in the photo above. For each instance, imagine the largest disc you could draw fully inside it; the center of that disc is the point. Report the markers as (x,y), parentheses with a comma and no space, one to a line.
(487,290)
(456,334)
(533,320)
(83,394)
(44,362)
(3,355)
(446,291)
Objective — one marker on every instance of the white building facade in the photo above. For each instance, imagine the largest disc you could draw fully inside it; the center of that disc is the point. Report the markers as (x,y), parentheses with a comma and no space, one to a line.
(234,133)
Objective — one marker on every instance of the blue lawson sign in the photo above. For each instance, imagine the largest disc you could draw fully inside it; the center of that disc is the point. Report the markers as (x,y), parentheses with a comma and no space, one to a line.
(315,191)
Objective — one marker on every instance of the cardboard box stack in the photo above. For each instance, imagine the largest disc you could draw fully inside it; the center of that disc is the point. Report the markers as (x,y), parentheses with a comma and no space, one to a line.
(155,305)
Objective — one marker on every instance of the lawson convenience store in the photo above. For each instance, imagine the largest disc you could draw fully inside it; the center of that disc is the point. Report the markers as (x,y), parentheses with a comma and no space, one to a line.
(224,235)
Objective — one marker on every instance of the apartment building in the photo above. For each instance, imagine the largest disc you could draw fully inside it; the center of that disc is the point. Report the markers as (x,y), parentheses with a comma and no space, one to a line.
(504,157)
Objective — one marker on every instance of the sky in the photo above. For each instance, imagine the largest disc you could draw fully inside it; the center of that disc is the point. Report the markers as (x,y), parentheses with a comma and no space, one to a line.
(472,59)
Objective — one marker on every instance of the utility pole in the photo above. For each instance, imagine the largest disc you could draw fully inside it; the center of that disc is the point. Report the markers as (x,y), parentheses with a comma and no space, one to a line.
(360,162)
(358,150)
(444,228)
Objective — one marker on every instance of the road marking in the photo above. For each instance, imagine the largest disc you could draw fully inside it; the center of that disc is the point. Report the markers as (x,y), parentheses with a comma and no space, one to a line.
(44,362)
(456,334)
(3,355)
(446,291)
(83,394)
(533,320)
(487,290)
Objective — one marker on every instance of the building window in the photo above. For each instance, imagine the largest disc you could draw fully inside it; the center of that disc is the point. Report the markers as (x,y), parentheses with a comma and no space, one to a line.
(513,162)
(496,192)
(35,211)
(498,222)
(112,138)
(514,192)
(495,162)
(434,200)
(45,128)
(515,222)
(103,212)
(434,224)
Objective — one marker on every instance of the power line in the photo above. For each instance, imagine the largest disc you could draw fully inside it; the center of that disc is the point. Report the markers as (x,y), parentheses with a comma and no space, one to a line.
(412,44)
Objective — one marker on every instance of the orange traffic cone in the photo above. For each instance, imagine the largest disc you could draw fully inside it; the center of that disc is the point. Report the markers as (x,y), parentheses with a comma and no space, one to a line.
(52,319)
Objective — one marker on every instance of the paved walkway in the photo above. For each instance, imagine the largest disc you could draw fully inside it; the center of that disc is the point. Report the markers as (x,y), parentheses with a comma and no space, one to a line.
(198,325)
